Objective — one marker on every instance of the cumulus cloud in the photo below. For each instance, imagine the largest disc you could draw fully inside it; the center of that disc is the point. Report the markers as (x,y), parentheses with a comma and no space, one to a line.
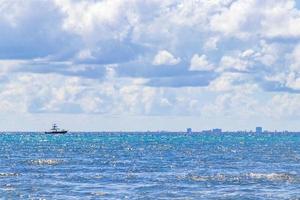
(235,105)
(27,34)
(97,57)
(281,19)
(211,43)
(234,63)
(247,18)
(295,58)
(231,21)
(164,57)
(228,81)
(283,106)
(200,63)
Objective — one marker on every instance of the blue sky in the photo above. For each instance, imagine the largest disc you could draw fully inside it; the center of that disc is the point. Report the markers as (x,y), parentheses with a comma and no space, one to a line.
(149,65)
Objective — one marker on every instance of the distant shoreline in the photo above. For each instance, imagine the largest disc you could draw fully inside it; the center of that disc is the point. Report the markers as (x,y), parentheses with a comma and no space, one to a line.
(157,132)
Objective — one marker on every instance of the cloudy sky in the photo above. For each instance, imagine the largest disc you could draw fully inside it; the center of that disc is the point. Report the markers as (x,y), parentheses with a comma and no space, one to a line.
(149,64)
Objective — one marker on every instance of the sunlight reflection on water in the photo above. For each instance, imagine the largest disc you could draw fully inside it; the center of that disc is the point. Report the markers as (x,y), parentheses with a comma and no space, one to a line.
(164,166)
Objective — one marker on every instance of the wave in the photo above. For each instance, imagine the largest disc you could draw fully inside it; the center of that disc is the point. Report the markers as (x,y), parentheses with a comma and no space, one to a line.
(216,177)
(99,193)
(8,174)
(274,177)
(8,187)
(46,162)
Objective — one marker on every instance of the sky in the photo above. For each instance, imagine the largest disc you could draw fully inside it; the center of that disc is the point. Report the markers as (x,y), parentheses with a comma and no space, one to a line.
(112,65)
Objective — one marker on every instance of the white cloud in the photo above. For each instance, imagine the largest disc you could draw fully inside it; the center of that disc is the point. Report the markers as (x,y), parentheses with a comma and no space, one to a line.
(229,81)
(268,54)
(236,63)
(200,63)
(295,59)
(237,104)
(211,43)
(249,18)
(283,106)
(293,81)
(85,54)
(7,66)
(231,20)
(88,18)
(14,11)
(248,53)
(164,57)
(243,44)
(281,19)
(224,82)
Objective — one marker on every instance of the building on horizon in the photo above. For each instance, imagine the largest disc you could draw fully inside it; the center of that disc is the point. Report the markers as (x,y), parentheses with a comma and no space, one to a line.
(206,131)
(258,129)
(189,130)
(217,130)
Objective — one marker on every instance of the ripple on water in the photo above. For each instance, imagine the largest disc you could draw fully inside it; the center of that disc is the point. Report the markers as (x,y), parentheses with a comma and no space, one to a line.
(46,162)
(163,166)
(215,177)
(99,193)
(274,177)
(8,187)
(98,176)
(3,174)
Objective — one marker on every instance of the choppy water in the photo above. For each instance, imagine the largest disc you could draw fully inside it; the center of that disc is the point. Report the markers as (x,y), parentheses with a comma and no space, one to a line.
(149,166)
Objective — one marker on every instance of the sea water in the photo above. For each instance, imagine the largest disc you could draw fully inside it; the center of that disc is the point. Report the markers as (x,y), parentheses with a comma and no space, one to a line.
(149,166)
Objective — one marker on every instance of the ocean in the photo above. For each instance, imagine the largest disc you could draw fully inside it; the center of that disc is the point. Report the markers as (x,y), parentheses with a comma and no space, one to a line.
(149,166)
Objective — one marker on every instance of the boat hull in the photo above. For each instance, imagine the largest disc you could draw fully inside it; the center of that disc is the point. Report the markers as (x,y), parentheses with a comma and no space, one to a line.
(56,132)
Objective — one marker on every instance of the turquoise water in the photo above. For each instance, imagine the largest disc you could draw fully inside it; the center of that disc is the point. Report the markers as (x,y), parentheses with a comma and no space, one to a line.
(149,166)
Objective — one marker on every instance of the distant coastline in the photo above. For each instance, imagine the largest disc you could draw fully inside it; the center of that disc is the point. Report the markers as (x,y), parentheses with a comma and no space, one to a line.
(188,132)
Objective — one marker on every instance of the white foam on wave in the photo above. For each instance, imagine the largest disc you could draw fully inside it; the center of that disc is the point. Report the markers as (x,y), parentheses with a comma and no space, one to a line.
(46,162)
(98,176)
(272,176)
(242,177)
(99,193)
(198,178)
(8,187)
(2,174)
